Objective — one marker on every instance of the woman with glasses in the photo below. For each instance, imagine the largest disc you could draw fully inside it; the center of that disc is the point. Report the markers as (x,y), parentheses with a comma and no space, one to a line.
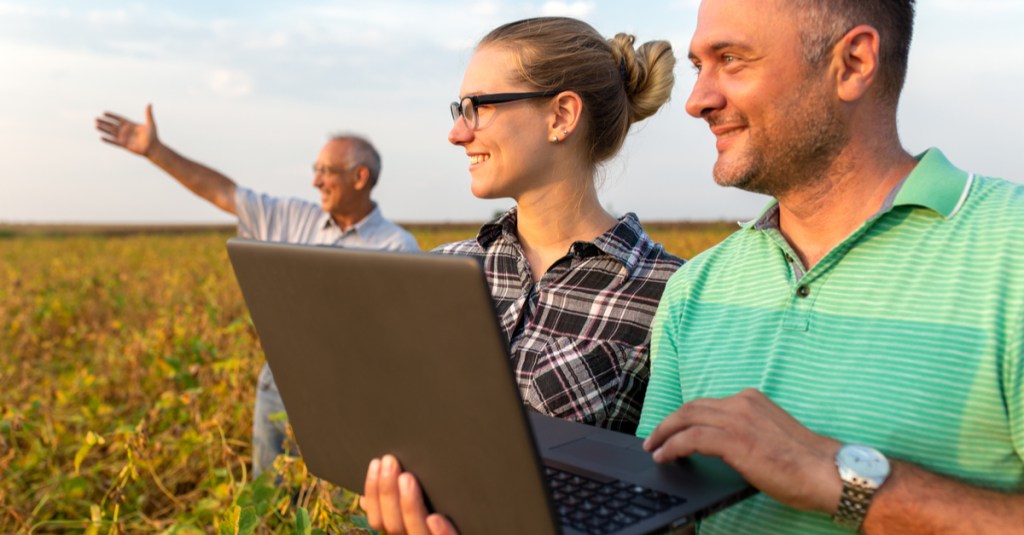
(543,103)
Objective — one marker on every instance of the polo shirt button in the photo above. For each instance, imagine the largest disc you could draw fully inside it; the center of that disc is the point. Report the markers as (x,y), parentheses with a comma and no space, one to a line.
(803,291)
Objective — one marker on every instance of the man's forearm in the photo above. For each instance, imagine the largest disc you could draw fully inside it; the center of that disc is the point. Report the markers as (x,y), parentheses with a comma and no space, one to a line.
(915,501)
(198,178)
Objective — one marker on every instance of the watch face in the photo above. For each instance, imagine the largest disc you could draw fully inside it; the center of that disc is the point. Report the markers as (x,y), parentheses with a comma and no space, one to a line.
(866,462)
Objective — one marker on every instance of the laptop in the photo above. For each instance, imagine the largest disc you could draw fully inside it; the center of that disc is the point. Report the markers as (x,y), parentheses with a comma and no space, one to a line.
(377,352)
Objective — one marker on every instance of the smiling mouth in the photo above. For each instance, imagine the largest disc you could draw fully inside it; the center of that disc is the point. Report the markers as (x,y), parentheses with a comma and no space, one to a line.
(721,131)
(479,158)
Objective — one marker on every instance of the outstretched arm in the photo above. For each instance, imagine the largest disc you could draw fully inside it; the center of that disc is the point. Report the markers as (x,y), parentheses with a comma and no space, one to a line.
(795,466)
(142,139)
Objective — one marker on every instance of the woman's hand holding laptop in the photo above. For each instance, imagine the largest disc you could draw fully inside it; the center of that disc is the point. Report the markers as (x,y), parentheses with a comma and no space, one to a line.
(393,502)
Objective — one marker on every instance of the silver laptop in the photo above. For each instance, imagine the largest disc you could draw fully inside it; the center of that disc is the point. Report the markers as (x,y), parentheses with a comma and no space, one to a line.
(378,353)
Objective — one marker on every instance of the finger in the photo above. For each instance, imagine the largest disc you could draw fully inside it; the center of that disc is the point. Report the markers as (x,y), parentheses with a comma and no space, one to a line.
(107,127)
(694,439)
(675,422)
(369,502)
(414,511)
(439,525)
(711,412)
(115,117)
(149,115)
(387,486)
(111,141)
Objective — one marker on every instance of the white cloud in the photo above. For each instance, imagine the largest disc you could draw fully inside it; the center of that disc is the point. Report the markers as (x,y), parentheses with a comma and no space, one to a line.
(272,41)
(459,45)
(230,83)
(114,16)
(137,48)
(13,9)
(978,6)
(577,9)
(486,9)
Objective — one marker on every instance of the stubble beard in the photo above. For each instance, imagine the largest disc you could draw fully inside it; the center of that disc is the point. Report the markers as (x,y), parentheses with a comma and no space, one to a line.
(794,152)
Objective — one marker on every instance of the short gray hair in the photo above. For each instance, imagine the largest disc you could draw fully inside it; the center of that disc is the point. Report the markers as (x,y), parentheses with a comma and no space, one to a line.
(361,152)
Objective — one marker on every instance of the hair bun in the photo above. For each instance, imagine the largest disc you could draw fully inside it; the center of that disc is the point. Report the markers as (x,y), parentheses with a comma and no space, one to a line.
(647,73)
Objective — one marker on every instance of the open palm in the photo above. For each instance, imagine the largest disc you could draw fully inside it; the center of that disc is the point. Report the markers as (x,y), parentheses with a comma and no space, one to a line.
(135,137)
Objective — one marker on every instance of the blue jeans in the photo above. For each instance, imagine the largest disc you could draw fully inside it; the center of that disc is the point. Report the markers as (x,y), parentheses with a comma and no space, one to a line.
(268,435)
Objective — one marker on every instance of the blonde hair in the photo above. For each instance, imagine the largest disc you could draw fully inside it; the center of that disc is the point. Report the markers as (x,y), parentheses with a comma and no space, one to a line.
(619,84)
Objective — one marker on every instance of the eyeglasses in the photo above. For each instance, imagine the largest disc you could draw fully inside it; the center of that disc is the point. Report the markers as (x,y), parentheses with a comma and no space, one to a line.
(329,170)
(467,110)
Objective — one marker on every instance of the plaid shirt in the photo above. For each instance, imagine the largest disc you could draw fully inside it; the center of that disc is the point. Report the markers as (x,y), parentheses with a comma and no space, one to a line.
(580,337)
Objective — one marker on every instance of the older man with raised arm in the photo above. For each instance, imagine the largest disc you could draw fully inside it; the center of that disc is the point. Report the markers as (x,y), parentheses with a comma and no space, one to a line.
(856,351)
(345,173)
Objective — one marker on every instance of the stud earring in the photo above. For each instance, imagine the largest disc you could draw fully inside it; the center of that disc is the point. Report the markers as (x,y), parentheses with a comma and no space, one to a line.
(554,139)
(565,132)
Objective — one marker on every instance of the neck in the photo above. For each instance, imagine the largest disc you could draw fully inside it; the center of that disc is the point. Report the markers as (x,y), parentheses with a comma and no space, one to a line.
(551,220)
(353,214)
(817,217)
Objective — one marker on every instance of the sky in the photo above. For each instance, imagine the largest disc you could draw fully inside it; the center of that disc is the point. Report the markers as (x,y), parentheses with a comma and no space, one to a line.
(254,88)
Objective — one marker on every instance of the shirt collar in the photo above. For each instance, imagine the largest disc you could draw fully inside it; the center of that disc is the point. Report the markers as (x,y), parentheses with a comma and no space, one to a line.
(934,183)
(364,227)
(505,224)
(623,242)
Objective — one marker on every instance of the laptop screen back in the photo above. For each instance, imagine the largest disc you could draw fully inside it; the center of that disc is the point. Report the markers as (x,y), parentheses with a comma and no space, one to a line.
(359,379)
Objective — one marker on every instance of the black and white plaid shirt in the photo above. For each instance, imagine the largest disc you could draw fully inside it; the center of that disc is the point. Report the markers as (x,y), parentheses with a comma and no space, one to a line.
(580,337)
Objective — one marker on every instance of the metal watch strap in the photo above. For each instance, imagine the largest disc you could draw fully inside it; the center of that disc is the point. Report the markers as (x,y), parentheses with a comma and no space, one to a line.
(853,504)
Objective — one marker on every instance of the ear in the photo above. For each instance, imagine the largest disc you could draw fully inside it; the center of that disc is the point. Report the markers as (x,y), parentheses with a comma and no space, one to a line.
(856,59)
(362,180)
(567,108)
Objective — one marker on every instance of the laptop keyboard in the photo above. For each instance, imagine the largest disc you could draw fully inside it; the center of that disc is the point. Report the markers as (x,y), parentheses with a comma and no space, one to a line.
(598,507)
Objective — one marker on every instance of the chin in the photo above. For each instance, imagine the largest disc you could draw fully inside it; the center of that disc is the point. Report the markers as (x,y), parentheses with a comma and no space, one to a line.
(481,189)
(726,175)
(739,173)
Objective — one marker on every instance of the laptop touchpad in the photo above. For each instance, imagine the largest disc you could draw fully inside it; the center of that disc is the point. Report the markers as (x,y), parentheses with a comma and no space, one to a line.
(588,449)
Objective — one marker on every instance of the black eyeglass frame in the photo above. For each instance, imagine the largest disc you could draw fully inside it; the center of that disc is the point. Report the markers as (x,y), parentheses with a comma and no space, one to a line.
(495,98)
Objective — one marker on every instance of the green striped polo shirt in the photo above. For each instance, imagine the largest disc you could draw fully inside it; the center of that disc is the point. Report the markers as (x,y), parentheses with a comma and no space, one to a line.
(906,336)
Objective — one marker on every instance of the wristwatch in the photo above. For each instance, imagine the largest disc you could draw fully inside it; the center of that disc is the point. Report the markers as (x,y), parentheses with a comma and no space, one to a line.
(863,470)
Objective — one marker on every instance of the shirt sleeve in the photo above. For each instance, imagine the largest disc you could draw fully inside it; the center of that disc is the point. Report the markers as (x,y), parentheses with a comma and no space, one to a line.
(253,212)
(404,241)
(263,217)
(664,391)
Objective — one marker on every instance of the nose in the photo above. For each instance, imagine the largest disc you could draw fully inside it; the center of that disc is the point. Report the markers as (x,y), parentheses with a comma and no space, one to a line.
(317,181)
(706,96)
(460,134)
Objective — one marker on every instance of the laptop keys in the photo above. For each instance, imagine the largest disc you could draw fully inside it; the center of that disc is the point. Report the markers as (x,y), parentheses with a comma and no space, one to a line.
(599,507)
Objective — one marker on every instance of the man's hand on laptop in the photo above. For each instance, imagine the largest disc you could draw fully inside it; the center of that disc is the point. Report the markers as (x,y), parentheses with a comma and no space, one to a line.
(772,450)
(394,503)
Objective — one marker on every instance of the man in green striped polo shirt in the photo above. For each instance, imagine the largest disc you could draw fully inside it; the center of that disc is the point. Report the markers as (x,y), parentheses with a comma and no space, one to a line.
(878,301)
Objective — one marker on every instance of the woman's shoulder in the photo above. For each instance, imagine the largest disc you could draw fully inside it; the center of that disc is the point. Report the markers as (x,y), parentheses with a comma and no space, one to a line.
(469,247)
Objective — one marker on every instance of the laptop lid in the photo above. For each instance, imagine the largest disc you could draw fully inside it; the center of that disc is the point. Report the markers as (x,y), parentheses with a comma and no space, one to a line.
(401,353)
(425,378)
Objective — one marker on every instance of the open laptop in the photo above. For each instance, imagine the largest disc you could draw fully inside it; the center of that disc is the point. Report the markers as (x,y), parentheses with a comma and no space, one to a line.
(378,353)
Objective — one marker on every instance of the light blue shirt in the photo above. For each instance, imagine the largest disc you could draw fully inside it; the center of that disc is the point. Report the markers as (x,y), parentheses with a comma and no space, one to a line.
(266,218)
